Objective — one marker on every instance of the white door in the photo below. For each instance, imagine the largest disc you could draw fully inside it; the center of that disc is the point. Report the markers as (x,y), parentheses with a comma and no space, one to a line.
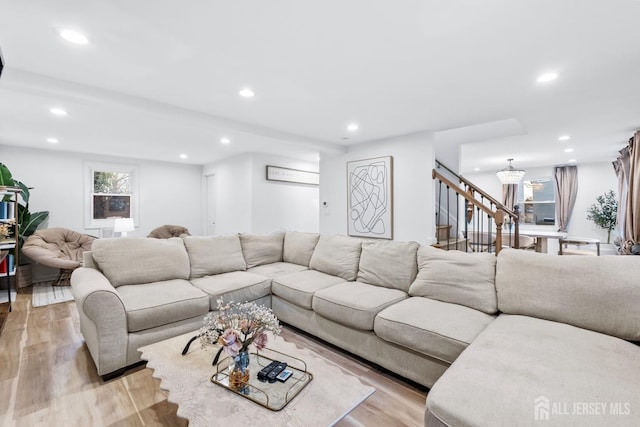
(211,205)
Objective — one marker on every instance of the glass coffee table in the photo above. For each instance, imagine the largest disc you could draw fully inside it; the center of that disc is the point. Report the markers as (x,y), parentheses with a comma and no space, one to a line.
(273,396)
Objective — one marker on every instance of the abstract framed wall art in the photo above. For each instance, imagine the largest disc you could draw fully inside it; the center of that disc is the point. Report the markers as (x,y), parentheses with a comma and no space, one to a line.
(370,198)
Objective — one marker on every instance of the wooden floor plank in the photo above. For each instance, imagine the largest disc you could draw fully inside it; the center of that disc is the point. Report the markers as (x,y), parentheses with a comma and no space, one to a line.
(47,377)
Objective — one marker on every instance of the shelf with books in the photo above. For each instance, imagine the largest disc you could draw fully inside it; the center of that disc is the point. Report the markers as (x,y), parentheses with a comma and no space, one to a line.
(7,208)
(8,264)
(9,232)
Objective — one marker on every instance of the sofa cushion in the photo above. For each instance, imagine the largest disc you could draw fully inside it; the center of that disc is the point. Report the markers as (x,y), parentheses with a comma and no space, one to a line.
(259,249)
(435,328)
(597,293)
(388,264)
(238,286)
(277,269)
(337,255)
(298,247)
(155,304)
(457,277)
(354,304)
(518,363)
(298,288)
(140,260)
(214,254)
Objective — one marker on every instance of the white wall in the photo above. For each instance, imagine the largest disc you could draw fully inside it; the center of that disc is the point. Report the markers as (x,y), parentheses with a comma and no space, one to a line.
(413,200)
(247,202)
(283,205)
(170,193)
(594,179)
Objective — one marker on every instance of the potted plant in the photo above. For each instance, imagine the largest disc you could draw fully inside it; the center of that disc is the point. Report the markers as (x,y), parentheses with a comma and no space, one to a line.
(604,213)
(28,222)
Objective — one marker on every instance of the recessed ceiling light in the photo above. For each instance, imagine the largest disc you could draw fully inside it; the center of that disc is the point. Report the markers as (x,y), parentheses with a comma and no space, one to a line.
(183,156)
(564,138)
(476,169)
(52,140)
(547,77)
(58,111)
(352,127)
(572,160)
(73,36)
(225,140)
(246,93)
(568,150)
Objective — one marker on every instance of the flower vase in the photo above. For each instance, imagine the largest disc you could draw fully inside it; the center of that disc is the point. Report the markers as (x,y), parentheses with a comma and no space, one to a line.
(239,375)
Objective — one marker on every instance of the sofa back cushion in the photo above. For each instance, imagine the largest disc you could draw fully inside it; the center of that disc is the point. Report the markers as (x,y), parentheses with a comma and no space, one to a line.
(298,247)
(457,277)
(389,264)
(131,261)
(337,255)
(597,293)
(214,254)
(259,249)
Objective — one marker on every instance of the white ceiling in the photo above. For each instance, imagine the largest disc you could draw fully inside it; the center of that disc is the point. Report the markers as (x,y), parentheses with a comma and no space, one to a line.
(161,78)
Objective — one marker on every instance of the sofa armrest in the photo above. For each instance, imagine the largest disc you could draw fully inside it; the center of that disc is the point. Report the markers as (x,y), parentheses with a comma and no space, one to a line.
(103,319)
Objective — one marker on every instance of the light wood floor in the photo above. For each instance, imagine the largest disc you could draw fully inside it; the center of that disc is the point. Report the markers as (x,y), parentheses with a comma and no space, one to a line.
(47,378)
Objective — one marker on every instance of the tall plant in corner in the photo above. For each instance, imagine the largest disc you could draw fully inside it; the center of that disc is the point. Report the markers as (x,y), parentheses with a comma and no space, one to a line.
(27,222)
(604,213)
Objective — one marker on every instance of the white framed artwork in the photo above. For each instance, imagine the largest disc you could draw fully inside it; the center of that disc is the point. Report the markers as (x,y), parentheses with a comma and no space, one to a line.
(370,198)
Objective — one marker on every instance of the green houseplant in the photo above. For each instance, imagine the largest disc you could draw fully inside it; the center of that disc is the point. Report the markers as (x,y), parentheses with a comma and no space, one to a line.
(28,222)
(604,213)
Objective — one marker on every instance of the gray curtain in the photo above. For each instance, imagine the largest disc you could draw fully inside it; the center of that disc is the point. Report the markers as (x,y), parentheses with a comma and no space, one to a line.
(566,178)
(632,214)
(621,166)
(509,195)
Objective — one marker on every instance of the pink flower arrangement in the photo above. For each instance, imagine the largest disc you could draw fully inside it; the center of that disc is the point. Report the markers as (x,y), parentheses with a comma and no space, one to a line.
(236,326)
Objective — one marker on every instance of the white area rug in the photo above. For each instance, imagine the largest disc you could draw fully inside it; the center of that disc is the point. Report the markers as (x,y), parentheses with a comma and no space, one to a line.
(331,395)
(45,294)
(3,296)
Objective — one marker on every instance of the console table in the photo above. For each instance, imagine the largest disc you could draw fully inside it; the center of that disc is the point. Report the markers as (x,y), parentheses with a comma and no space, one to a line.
(542,238)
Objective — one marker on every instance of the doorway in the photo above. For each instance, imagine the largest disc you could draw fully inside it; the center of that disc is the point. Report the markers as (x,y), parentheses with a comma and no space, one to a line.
(210,228)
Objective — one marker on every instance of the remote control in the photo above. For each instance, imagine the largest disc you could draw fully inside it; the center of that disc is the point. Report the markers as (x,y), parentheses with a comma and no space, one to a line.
(284,375)
(271,376)
(262,375)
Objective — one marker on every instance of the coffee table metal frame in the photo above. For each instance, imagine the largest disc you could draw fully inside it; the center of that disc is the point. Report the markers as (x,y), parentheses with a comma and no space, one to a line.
(273,396)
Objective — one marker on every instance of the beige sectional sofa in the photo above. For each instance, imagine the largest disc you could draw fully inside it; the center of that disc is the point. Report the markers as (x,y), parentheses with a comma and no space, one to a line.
(412,309)
(561,353)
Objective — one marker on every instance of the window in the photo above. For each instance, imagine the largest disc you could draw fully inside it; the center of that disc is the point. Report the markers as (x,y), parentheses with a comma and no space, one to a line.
(111,194)
(536,201)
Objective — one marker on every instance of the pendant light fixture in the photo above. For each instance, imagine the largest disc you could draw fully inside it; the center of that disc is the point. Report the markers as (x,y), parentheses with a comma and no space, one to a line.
(510,175)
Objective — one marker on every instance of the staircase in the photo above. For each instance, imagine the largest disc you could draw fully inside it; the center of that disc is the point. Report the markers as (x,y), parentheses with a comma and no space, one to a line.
(469,219)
